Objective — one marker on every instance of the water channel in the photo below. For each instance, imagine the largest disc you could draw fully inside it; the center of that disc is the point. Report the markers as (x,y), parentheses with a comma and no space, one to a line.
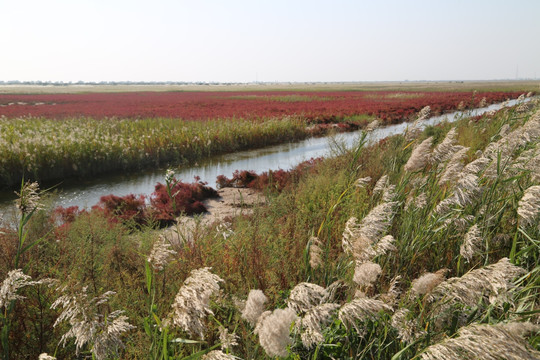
(87,192)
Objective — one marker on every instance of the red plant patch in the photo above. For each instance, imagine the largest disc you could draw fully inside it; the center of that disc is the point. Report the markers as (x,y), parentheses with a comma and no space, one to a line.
(179,198)
(124,208)
(273,179)
(324,106)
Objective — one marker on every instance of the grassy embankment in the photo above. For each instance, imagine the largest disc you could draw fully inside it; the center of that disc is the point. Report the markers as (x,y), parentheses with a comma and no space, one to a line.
(454,201)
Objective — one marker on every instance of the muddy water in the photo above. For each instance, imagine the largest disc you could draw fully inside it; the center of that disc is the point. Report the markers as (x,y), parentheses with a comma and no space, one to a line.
(86,192)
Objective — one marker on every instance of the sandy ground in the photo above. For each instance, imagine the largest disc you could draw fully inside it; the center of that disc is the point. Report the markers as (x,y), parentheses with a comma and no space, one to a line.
(232,202)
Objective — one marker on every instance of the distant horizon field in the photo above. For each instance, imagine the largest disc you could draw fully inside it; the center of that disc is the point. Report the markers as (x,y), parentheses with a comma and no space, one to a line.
(450,85)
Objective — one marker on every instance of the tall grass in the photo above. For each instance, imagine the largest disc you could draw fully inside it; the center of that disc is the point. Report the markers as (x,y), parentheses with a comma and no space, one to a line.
(461,262)
(44,149)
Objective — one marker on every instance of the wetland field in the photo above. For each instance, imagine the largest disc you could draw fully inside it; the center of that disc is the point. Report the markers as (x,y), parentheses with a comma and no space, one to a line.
(420,245)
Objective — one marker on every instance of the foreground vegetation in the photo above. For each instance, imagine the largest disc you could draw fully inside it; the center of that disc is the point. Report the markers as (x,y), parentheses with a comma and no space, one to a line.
(423,245)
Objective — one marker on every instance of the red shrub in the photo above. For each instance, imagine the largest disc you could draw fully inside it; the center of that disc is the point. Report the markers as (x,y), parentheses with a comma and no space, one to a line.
(67,215)
(124,208)
(183,199)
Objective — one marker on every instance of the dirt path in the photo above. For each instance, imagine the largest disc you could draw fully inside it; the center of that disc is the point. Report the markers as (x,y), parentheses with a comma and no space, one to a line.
(232,202)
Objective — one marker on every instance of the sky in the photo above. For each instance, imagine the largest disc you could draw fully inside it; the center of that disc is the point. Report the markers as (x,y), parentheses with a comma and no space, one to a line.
(273,40)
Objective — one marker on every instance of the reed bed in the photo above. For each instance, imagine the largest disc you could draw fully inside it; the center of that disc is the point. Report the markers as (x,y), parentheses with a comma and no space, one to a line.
(421,246)
(46,149)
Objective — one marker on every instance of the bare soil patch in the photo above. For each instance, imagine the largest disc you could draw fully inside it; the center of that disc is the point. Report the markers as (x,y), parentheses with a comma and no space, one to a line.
(232,202)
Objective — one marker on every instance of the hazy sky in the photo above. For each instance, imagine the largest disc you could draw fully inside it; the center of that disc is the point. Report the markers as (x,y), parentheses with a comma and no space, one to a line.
(274,40)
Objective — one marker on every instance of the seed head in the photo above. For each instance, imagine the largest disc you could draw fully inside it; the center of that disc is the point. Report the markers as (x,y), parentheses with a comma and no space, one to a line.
(227,340)
(304,296)
(90,326)
(419,156)
(312,324)
(274,331)
(29,198)
(160,254)
(472,244)
(425,283)
(529,206)
(218,355)
(366,273)
(360,310)
(192,303)
(254,306)
(486,342)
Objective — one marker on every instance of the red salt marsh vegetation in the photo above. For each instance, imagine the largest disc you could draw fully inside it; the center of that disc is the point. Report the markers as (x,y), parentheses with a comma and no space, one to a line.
(389,106)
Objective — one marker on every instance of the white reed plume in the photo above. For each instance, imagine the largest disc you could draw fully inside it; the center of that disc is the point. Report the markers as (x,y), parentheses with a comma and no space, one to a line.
(424,113)
(529,94)
(445,149)
(360,310)
(491,283)
(389,193)
(529,206)
(380,248)
(504,130)
(380,185)
(533,164)
(486,342)
(393,292)
(372,125)
(14,281)
(45,356)
(358,237)
(306,295)
(161,252)
(254,306)
(454,166)
(315,252)
(518,138)
(192,303)
(472,243)
(524,107)
(227,340)
(28,200)
(89,326)
(273,331)
(419,156)
(406,326)
(218,355)
(312,324)
(366,273)
(465,192)
(351,237)
(476,166)
(362,182)
(418,201)
(427,282)
(377,222)
(467,189)
(521,97)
